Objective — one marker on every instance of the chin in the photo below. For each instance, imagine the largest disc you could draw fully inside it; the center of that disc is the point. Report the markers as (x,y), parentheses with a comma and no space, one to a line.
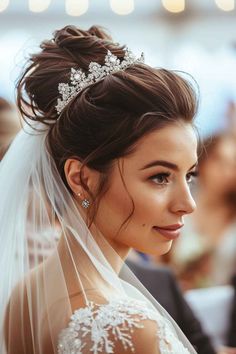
(162,249)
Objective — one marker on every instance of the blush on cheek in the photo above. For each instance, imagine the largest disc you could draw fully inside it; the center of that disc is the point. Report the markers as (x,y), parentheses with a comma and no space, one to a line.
(114,208)
(121,205)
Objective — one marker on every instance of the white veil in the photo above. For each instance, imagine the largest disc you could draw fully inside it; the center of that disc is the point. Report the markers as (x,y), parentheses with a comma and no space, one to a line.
(40,276)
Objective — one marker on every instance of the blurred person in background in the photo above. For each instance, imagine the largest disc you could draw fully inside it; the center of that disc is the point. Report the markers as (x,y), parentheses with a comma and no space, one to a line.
(9,125)
(205,255)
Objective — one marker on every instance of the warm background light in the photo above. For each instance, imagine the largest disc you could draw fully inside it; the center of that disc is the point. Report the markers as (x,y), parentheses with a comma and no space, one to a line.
(225,5)
(174,5)
(3,4)
(122,7)
(39,5)
(76,7)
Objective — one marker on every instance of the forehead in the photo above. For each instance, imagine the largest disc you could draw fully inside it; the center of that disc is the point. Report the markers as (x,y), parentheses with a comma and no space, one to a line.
(176,143)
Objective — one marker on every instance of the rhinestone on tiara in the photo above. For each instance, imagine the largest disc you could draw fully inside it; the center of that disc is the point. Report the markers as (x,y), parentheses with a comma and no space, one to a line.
(96,72)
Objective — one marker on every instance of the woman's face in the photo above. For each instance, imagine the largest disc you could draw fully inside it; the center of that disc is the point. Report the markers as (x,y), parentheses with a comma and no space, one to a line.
(157,177)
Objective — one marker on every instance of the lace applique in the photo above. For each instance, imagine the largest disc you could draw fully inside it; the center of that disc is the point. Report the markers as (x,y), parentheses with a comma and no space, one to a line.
(168,342)
(96,328)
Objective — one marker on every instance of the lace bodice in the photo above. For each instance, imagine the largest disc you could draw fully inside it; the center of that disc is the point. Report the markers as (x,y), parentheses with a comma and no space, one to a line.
(96,329)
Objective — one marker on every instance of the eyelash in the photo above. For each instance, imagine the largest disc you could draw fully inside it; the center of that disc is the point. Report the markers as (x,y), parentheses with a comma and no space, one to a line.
(166,175)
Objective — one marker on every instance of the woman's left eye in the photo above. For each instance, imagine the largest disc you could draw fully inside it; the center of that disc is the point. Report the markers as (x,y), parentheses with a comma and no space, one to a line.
(191,176)
(160,178)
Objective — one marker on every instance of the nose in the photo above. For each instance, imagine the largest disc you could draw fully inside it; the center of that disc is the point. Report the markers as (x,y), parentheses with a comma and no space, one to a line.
(183,202)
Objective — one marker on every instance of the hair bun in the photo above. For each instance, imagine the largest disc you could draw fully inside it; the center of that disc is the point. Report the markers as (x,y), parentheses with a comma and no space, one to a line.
(72,37)
(70,47)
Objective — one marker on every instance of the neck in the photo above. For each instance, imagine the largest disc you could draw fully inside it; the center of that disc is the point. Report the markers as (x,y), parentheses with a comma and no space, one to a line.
(87,269)
(114,252)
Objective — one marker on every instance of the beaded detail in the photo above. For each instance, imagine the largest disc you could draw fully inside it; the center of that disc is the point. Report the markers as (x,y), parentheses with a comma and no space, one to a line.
(96,328)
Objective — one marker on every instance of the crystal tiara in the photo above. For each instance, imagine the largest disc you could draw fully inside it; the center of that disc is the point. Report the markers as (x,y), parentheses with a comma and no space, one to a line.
(96,72)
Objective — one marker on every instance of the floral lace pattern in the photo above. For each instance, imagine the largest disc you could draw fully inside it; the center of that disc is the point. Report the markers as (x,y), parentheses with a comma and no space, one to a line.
(96,328)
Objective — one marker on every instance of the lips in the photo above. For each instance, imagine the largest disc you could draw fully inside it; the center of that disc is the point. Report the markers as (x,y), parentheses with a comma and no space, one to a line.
(171,232)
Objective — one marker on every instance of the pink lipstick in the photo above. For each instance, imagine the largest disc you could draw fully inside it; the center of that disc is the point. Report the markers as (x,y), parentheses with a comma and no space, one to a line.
(171,232)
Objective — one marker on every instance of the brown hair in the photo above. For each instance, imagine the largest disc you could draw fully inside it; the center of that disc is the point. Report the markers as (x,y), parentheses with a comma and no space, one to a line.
(106,119)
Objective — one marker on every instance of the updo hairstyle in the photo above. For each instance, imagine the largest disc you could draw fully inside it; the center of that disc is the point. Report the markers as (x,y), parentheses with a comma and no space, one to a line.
(105,120)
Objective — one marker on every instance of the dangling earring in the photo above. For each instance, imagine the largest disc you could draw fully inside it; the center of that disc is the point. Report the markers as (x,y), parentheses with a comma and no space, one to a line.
(85,202)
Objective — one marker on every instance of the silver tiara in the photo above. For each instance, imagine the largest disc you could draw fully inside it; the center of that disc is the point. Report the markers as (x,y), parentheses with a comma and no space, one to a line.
(96,72)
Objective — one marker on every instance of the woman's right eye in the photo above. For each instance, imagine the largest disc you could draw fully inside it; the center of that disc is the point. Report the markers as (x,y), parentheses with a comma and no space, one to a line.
(160,178)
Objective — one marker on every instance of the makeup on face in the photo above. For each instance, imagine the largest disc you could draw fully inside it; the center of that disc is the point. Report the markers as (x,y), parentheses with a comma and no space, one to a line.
(151,194)
(171,232)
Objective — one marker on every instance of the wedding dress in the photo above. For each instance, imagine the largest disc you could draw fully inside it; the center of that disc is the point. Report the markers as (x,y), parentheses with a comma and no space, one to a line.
(101,326)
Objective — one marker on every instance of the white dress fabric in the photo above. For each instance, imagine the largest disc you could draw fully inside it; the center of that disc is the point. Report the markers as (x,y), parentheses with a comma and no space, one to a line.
(101,326)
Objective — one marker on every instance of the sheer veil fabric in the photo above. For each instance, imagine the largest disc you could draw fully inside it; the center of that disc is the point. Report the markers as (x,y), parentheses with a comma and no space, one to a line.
(50,260)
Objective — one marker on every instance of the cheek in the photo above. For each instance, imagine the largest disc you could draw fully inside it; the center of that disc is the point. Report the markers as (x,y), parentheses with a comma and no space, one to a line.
(151,203)
(114,208)
(148,201)
(150,210)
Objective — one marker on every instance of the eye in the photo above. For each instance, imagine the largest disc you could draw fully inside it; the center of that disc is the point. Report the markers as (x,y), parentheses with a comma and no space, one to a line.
(160,178)
(191,176)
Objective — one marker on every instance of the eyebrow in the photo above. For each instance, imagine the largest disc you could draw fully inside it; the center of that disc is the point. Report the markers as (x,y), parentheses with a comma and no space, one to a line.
(164,163)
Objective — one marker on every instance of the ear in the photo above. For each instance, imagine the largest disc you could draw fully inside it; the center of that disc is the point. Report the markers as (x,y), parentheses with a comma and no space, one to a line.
(72,169)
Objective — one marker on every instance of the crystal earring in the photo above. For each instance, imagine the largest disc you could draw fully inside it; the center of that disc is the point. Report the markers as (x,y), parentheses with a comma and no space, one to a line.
(85,202)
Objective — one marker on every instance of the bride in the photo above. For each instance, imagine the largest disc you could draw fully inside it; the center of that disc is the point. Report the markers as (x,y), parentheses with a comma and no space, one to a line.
(103,164)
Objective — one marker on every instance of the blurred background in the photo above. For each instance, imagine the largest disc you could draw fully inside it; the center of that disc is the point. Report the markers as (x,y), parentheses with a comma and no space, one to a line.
(197,36)
(194,36)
